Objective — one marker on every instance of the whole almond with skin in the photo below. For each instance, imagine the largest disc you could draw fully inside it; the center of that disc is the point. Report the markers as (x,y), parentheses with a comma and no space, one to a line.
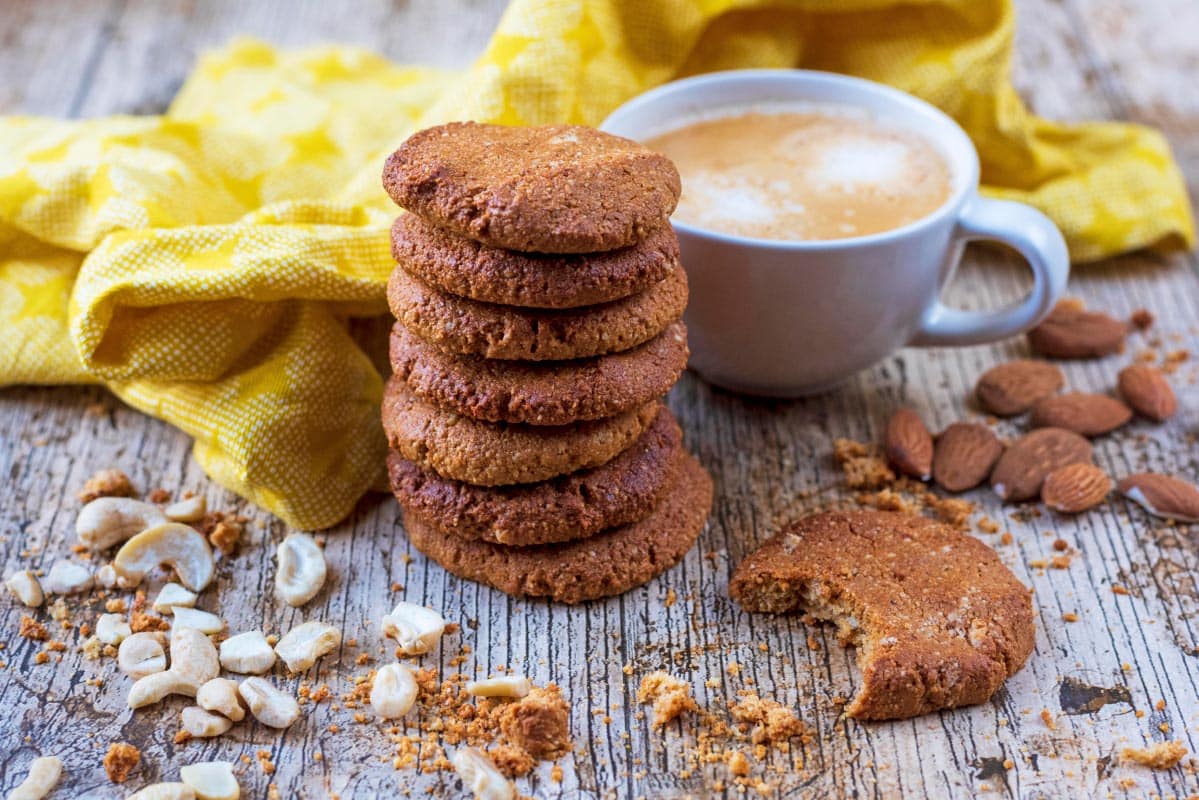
(1022,468)
(909,445)
(1075,488)
(964,455)
(1012,388)
(1071,331)
(1085,414)
(1148,392)
(1163,495)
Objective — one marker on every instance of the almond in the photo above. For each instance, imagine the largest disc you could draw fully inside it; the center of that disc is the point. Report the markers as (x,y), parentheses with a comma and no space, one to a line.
(1086,414)
(1013,388)
(1148,392)
(1071,331)
(909,445)
(964,455)
(1022,468)
(1163,495)
(1075,488)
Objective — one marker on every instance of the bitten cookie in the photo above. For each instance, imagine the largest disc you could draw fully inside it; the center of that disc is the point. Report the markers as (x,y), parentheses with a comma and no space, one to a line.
(542,392)
(548,189)
(466,326)
(937,619)
(534,280)
(601,566)
(562,509)
(497,454)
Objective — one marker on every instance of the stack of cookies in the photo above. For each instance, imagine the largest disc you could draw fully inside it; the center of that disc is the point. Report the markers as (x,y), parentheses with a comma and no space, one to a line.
(539,300)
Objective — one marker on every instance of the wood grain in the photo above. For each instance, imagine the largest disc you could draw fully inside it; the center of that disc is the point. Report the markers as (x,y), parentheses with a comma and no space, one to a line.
(1100,677)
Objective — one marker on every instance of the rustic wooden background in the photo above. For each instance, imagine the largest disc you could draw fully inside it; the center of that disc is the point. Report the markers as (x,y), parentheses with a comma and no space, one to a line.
(1077,59)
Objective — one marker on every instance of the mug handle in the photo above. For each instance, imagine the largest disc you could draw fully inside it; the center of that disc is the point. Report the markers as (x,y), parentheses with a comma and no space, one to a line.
(1034,236)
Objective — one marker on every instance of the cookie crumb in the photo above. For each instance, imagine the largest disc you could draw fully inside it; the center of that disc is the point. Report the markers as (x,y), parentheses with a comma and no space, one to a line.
(120,760)
(539,722)
(32,629)
(863,465)
(1162,755)
(106,483)
(671,697)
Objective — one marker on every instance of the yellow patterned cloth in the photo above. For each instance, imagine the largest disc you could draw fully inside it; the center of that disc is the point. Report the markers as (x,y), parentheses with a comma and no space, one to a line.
(204,264)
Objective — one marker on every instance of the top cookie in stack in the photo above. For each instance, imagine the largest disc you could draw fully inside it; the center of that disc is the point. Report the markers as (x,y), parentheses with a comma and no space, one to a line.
(538,299)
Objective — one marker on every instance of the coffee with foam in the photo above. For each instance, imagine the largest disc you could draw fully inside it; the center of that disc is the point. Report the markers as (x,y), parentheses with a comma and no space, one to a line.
(803,173)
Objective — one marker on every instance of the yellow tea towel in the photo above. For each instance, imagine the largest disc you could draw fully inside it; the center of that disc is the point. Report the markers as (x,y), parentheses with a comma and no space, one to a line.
(205,264)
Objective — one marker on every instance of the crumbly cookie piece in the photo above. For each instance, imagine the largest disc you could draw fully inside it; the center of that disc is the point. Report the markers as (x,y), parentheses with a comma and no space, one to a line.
(499,453)
(538,723)
(540,392)
(937,619)
(562,509)
(467,268)
(547,189)
(604,565)
(467,326)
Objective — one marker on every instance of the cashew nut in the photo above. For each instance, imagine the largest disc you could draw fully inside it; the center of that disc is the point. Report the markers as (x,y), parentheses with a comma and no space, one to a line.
(503,686)
(204,724)
(43,775)
(108,578)
(107,521)
(301,570)
(416,628)
(269,705)
(25,586)
(193,663)
(393,692)
(189,509)
(172,594)
(67,577)
(164,791)
(152,688)
(248,653)
(212,780)
(202,621)
(171,543)
(141,654)
(220,696)
(304,644)
(114,629)
(479,775)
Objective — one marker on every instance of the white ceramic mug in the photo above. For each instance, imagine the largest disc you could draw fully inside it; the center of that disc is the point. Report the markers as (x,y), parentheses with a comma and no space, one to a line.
(790,318)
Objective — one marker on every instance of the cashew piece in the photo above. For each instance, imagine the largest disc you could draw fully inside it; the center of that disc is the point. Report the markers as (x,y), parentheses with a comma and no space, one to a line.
(172,594)
(107,521)
(25,586)
(479,774)
(269,705)
(164,791)
(43,775)
(416,628)
(114,629)
(204,724)
(212,780)
(248,653)
(503,686)
(152,688)
(304,644)
(219,695)
(141,654)
(301,570)
(194,618)
(193,663)
(191,509)
(67,577)
(394,691)
(171,543)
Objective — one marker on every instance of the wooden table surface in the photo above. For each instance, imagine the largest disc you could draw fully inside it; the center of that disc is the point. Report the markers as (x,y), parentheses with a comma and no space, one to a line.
(1101,677)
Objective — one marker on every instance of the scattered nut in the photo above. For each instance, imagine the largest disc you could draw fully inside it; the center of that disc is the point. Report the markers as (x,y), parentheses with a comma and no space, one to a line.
(191,509)
(152,688)
(177,545)
(204,724)
(25,586)
(211,780)
(172,594)
(193,663)
(43,775)
(1086,414)
(304,644)
(164,791)
(480,776)
(203,621)
(269,705)
(108,521)
(502,686)
(1148,392)
(1163,495)
(141,654)
(1015,386)
(67,577)
(1075,488)
(107,578)
(114,629)
(416,628)
(909,445)
(220,696)
(248,653)
(106,483)
(301,570)
(394,691)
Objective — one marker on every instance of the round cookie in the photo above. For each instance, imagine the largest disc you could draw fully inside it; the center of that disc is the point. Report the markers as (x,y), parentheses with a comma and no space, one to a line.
(497,453)
(466,326)
(547,189)
(540,392)
(562,509)
(937,619)
(467,268)
(603,565)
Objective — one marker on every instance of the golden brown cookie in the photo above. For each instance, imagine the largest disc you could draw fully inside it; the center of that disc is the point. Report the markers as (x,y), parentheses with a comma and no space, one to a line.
(466,326)
(499,453)
(540,392)
(467,268)
(562,509)
(937,619)
(547,189)
(603,565)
